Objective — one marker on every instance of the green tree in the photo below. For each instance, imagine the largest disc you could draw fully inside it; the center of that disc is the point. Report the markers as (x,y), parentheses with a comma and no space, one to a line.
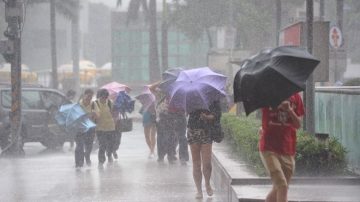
(195,17)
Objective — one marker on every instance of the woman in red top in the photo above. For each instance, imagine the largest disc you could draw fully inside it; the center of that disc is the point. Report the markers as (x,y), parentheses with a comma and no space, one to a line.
(277,144)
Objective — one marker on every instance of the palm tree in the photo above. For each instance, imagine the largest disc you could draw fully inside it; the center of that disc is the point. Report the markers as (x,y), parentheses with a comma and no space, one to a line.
(150,11)
(69,9)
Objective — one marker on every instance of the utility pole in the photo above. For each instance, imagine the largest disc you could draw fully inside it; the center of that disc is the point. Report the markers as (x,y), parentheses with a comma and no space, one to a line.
(75,41)
(164,37)
(278,20)
(14,10)
(53,44)
(309,92)
(340,13)
(322,10)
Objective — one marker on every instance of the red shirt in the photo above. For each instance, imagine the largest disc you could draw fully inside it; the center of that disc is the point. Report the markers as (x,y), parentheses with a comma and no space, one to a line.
(278,135)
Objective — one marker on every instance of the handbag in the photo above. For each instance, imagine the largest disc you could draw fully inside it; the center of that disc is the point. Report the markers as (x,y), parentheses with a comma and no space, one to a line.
(124,123)
(216,132)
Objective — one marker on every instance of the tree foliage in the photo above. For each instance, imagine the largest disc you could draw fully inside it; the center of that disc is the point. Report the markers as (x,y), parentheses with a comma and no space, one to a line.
(194,17)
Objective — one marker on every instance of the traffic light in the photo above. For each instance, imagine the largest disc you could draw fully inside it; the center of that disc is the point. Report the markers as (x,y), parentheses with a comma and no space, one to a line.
(7,50)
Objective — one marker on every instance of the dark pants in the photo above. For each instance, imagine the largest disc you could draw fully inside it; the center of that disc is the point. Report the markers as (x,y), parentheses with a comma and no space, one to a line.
(84,143)
(165,138)
(106,142)
(178,134)
(117,141)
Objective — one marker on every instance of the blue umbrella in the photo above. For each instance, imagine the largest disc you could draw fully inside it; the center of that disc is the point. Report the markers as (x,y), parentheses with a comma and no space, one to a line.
(73,118)
(123,103)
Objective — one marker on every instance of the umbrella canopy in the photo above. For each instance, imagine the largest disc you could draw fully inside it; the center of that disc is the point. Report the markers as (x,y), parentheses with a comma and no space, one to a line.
(146,98)
(271,76)
(169,76)
(73,118)
(84,65)
(114,88)
(124,103)
(196,89)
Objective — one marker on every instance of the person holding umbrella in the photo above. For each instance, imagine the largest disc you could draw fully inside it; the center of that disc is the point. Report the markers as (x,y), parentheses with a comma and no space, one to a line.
(198,92)
(200,143)
(277,144)
(148,112)
(84,141)
(165,139)
(105,126)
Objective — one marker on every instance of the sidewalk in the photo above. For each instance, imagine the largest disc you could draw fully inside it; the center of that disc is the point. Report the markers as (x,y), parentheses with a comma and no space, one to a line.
(50,176)
(239,183)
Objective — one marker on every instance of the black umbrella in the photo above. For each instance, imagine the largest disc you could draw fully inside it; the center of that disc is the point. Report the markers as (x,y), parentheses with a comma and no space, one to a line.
(169,76)
(271,76)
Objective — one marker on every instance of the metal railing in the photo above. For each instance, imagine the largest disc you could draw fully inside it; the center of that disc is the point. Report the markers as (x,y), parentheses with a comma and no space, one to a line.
(337,112)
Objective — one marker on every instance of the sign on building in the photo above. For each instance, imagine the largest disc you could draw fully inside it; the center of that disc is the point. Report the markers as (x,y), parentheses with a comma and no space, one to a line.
(335,37)
(295,34)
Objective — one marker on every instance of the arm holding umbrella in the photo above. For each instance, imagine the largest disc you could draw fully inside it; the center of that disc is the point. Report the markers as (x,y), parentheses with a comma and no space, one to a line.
(295,119)
(154,87)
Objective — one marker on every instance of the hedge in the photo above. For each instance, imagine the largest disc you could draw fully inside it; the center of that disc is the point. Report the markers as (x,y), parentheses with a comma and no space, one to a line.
(312,157)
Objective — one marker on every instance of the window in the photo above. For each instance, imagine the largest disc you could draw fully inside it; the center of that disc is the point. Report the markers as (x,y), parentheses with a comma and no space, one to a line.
(29,99)
(52,99)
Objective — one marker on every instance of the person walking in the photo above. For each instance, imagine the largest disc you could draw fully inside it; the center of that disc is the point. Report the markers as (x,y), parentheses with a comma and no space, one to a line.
(105,126)
(149,124)
(165,139)
(70,95)
(277,144)
(200,143)
(84,141)
(177,133)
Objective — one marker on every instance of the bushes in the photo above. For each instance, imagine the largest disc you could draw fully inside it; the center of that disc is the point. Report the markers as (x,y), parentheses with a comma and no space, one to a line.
(312,158)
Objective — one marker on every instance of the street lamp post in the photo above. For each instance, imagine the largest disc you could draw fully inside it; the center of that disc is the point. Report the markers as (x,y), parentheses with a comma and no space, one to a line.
(309,92)
(14,17)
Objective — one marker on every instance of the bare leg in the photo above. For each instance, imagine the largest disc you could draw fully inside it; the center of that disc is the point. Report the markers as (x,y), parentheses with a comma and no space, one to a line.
(281,194)
(196,159)
(152,138)
(271,197)
(147,130)
(206,152)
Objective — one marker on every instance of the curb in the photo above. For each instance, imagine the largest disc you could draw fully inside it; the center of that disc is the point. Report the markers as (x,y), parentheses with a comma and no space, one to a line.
(229,175)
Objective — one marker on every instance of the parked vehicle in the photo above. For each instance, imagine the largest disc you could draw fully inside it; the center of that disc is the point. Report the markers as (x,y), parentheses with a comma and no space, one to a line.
(39,106)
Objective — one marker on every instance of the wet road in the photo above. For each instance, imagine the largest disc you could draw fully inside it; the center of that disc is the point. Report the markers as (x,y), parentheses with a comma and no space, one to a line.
(44,175)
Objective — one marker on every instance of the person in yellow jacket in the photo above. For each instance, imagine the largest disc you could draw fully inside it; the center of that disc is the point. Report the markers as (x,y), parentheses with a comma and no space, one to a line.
(84,141)
(105,126)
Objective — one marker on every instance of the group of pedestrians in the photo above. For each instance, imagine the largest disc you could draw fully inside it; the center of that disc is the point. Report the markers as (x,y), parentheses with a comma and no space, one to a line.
(176,132)
(170,128)
(103,113)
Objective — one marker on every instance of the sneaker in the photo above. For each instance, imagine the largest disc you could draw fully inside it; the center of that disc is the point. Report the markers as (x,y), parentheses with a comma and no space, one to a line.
(183,162)
(160,160)
(151,156)
(199,195)
(78,168)
(115,155)
(110,159)
(172,158)
(209,191)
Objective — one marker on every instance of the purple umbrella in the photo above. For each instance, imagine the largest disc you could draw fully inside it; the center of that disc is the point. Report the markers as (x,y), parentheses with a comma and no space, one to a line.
(196,89)
(146,98)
